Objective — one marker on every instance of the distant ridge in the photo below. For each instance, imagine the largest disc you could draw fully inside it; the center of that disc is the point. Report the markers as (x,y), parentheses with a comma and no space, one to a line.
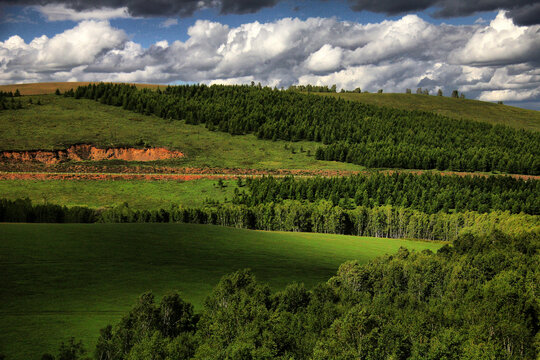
(476,110)
(50,87)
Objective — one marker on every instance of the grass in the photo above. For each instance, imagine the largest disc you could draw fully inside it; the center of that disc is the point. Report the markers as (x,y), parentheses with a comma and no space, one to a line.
(454,108)
(50,87)
(61,122)
(138,194)
(62,280)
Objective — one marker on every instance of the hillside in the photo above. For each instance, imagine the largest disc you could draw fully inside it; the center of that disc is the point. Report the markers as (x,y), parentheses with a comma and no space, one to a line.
(50,87)
(483,111)
(60,122)
(78,278)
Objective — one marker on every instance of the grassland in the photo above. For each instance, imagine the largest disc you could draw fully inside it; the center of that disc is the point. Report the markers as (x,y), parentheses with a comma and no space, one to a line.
(454,108)
(50,87)
(64,280)
(60,122)
(139,194)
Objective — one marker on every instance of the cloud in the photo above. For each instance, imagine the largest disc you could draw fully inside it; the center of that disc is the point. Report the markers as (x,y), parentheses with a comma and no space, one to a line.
(523,12)
(59,12)
(168,23)
(495,61)
(80,45)
(141,8)
(327,58)
(501,43)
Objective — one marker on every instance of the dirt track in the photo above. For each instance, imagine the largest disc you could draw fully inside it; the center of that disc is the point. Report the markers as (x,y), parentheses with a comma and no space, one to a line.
(187,174)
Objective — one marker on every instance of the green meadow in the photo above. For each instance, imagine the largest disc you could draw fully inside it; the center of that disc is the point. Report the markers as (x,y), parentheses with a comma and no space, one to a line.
(139,194)
(62,280)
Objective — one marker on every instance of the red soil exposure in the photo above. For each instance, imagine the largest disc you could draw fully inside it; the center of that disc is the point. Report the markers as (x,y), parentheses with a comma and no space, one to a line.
(89,152)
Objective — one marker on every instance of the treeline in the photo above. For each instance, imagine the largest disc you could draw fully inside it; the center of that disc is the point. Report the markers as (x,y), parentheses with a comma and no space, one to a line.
(289,215)
(356,132)
(474,300)
(429,193)
(10,104)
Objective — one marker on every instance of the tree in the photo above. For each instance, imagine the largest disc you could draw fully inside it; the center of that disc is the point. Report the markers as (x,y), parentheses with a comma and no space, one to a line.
(407,91)
(57,92)
(455,94)
(17,93)
(439,92)
(71,350)
(419,91)
(380,91)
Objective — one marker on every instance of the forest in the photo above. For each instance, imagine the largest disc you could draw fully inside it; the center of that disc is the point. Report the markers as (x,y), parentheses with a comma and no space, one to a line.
(349,131)
(429,193)
(398,205)
(289,215)
(474,300)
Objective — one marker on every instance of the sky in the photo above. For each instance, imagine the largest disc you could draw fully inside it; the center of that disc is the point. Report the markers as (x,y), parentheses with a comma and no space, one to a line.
(487,49)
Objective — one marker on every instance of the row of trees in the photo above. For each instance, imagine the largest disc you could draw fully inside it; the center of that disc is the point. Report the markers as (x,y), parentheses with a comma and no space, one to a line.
(407,156)
(356,132)
(289,215)
(420,91)
(429,193)
(474,300)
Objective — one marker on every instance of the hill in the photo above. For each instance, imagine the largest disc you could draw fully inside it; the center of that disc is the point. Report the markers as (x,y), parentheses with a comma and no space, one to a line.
(71,280)
(483,111)
(62,121)
(50,87)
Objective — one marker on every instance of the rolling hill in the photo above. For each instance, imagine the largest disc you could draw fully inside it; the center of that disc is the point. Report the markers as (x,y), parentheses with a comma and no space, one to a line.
(455,108)
(476,110)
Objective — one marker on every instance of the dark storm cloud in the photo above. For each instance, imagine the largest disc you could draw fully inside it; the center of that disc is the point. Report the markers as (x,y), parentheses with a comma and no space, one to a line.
(146,8)
(523,12)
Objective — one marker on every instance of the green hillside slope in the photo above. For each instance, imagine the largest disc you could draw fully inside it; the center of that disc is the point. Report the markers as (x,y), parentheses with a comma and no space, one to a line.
(60,122)
(454,108)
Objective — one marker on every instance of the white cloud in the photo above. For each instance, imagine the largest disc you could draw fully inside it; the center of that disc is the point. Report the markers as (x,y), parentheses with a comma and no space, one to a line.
(59,12)
(491,62)
(327,58)
(500,43)
(509,95)
(168,23)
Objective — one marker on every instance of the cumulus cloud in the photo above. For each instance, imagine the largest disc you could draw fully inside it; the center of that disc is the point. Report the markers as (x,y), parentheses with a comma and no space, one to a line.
(501,43)
(497,61)
(77,46)
(327,58)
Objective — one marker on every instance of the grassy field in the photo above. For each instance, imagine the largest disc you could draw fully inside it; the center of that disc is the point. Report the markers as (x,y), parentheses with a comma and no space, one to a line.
(138,194)
(64,280)
(50,87)
(455,108)
(61,121)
